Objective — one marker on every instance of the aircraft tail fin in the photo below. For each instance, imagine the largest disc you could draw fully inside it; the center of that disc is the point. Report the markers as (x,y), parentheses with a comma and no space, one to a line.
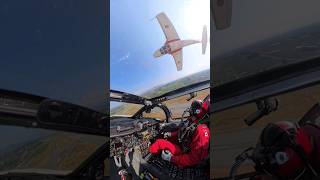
(204,39)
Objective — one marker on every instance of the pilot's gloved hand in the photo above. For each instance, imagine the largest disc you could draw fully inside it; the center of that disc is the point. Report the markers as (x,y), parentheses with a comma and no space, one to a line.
(167,134)
(166,155)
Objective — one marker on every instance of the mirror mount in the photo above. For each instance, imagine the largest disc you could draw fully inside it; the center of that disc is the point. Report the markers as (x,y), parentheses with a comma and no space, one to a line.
(191,96)
(265,107)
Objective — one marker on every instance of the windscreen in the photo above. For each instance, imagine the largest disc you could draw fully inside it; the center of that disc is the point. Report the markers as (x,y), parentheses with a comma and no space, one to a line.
(178,105)
(259,40)
(124,109)
(42,151)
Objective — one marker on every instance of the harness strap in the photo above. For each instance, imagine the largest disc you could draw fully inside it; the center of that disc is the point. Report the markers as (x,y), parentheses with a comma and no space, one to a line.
(187,132)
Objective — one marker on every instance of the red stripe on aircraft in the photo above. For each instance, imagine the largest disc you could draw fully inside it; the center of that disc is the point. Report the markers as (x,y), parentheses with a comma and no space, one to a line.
(172,40)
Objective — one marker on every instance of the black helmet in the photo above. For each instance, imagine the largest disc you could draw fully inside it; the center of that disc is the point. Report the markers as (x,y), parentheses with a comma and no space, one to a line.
(196,107)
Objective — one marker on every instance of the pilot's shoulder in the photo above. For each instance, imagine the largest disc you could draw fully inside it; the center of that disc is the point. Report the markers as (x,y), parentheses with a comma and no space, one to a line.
(203,131)
(202,127)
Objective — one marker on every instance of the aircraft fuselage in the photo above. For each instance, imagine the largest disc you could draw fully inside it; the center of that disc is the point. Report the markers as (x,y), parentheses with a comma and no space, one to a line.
(173,46)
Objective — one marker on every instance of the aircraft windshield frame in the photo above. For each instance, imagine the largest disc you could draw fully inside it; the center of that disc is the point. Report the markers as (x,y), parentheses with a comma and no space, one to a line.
(118,96)
(35,111)
(165,49)
(122,97)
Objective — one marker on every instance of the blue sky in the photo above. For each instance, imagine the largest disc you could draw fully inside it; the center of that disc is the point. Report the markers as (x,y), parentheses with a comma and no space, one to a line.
(135,35)
(55,49)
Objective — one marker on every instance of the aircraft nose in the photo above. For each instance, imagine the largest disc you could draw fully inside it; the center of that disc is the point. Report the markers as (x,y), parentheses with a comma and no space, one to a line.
(157,53)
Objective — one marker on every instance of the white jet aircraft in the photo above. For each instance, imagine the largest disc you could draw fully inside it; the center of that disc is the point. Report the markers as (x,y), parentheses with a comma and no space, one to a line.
(173,44)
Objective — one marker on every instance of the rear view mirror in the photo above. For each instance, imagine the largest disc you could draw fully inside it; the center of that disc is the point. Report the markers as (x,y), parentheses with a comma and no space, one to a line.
(264,106)
(191,96)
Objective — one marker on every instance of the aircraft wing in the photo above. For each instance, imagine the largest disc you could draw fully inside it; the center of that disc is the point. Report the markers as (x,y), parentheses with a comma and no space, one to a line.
(178,58)
(167,27)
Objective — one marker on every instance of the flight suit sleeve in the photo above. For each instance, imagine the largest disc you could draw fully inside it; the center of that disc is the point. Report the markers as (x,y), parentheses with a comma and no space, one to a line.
(174,137)
(199,149)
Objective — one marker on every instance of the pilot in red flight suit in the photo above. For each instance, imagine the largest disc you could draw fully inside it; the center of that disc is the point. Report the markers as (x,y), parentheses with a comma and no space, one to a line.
(289,151)
(190,144)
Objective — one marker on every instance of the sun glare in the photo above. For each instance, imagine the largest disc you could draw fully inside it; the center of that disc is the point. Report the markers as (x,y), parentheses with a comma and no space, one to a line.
(195,14)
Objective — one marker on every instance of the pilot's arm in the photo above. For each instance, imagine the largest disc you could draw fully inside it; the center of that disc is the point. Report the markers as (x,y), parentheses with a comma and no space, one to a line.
(199,148)
(173,136)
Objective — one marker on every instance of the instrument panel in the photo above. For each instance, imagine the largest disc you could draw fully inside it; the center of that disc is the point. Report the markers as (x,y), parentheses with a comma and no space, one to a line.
(128,133)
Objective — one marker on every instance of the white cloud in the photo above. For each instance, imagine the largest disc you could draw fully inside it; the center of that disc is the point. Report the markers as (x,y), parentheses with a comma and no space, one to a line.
(125,57)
